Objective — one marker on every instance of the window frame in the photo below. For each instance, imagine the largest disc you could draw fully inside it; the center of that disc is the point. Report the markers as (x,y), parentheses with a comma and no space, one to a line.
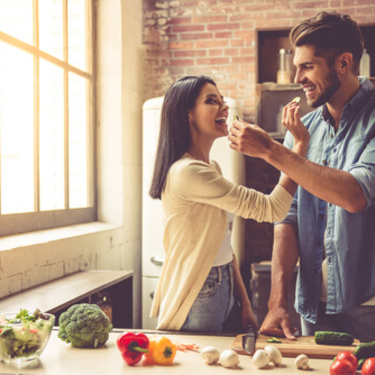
(16,223)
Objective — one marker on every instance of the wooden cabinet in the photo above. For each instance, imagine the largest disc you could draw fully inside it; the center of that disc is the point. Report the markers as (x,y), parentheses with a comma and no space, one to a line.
(82,287)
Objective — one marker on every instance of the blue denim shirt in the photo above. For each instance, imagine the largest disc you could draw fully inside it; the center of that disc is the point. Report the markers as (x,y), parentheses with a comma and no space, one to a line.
(347,239)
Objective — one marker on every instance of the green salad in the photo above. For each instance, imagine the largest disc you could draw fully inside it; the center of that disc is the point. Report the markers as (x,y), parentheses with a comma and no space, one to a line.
(23,334)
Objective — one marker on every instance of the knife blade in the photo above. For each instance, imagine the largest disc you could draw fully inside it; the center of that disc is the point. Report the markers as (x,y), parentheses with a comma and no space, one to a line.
(249,339)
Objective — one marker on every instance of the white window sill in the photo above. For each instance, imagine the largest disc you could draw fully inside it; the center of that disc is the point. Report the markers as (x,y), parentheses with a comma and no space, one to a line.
(49,235)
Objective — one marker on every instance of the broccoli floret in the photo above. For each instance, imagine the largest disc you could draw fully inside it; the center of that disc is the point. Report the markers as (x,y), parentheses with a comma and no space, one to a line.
(84,325)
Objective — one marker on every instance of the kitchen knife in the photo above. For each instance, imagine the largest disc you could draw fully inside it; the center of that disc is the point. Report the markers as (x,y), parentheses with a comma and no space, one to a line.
(248,340)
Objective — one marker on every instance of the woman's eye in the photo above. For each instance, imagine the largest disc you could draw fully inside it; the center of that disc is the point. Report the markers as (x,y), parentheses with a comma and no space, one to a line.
(212,101)
(215,102)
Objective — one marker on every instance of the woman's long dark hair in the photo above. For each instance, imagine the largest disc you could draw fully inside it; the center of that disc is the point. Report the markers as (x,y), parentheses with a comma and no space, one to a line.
(174,136)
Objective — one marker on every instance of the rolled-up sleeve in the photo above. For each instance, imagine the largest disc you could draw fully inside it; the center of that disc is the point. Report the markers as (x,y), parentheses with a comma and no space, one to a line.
(364,172)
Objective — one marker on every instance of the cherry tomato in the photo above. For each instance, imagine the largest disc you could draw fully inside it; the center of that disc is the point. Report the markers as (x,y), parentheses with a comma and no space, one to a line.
(368,367)
(341,367)
(349,357)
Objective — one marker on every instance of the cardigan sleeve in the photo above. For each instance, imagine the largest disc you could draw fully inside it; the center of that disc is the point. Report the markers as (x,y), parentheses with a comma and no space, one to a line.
(193,180)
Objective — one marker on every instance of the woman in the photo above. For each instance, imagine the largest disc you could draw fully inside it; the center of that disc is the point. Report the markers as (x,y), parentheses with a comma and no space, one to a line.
(200,278)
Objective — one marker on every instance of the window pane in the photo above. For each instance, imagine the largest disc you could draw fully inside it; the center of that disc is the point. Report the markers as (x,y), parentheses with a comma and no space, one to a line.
(16,19)
(51,27)
(16,130)
(77,33)
(78,137)
(51,136)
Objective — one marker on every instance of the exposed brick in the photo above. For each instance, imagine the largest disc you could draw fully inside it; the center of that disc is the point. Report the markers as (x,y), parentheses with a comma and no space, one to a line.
(213,61)
(223,35)
(228,85)
(216,52)
(243,34)
(237,42)
(357,3)
(243,59)
(211,44)
(335,3)
(181,62)
(196,36)
(224,26)
(231,52)
(209,19)
(190,53)
(181,45)
(188,28)
(179,20)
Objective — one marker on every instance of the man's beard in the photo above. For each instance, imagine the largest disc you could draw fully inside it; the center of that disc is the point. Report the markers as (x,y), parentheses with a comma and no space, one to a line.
(333,85)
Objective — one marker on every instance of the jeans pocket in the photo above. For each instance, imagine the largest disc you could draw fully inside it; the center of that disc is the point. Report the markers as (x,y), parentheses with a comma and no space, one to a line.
(209,288)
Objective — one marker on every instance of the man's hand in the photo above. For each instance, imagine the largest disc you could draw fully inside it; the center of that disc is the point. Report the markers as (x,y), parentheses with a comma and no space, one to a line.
(250,139)
(277,323)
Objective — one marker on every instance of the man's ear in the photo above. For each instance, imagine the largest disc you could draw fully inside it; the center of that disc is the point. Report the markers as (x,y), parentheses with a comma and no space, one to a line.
(345,61)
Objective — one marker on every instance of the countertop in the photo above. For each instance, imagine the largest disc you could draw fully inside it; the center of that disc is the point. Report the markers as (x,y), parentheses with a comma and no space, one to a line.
(60,358)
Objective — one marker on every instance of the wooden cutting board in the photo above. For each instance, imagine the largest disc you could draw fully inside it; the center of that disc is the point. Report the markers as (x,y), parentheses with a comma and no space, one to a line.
(303,345)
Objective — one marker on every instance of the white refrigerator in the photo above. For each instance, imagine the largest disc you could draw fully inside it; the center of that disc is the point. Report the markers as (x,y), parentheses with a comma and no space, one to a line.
(232,165)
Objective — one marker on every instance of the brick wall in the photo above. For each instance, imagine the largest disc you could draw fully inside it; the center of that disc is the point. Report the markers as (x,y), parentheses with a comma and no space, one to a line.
(218,38)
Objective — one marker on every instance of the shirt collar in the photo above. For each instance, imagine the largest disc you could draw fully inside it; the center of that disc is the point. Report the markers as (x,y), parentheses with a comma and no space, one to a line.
(357,100)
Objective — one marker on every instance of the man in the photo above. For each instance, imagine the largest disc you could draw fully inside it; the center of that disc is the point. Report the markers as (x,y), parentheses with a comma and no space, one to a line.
(331,224)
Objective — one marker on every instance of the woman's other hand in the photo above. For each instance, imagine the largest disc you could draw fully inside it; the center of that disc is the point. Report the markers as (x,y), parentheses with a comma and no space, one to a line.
(248,318)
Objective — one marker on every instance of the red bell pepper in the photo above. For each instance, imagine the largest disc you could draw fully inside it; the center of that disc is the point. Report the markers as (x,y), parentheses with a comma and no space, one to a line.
(132,346)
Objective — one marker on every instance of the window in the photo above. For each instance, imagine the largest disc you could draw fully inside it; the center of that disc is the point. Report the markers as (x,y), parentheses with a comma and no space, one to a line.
(46,114)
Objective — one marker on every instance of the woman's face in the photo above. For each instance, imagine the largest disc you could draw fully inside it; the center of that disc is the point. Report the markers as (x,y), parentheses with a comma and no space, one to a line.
(209,116)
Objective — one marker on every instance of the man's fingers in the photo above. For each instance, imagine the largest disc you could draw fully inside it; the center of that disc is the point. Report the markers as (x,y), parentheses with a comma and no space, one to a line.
(272,331)
(287,331)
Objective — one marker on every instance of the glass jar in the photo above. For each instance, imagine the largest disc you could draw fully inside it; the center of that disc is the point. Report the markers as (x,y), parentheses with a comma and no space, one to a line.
(364,66)
(285,72)
(104,301)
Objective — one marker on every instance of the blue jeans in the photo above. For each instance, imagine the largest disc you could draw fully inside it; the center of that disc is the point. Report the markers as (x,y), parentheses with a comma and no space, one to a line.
(359,322)
(213,303)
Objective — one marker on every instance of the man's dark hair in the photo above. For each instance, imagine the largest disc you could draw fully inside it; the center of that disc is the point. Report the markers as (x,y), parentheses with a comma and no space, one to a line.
(331,34)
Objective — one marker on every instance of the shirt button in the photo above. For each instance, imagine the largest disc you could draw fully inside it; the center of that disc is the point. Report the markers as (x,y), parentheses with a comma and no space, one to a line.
(324,162)
(334,150)
(330,135)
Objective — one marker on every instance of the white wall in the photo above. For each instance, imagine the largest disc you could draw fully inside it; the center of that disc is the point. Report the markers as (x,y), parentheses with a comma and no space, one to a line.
(114,242)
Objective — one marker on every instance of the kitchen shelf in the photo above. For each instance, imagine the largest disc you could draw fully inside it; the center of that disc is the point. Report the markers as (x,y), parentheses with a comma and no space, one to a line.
(271,98)
(269,42)
(57,296)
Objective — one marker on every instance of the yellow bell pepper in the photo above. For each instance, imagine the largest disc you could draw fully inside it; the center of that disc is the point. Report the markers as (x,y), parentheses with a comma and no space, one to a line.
(161,351)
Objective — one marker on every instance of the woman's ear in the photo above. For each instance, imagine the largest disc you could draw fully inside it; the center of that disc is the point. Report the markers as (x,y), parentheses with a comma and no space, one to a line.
(190,116)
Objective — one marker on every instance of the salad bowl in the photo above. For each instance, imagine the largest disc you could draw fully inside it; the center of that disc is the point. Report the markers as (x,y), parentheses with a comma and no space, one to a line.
(23,336)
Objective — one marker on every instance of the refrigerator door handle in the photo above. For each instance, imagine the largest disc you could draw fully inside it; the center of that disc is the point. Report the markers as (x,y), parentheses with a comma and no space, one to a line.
(158,261)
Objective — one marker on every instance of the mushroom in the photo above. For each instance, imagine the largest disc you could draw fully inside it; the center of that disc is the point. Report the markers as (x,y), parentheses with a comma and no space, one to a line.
(302,362)
(229,358)
(274,354)
(210,355)
(261,358)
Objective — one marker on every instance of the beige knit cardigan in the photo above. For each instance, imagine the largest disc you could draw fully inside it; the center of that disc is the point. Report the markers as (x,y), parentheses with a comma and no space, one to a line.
(195,201)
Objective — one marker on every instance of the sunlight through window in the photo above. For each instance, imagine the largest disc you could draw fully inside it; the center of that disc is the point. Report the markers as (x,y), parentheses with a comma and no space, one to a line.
(45,111)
